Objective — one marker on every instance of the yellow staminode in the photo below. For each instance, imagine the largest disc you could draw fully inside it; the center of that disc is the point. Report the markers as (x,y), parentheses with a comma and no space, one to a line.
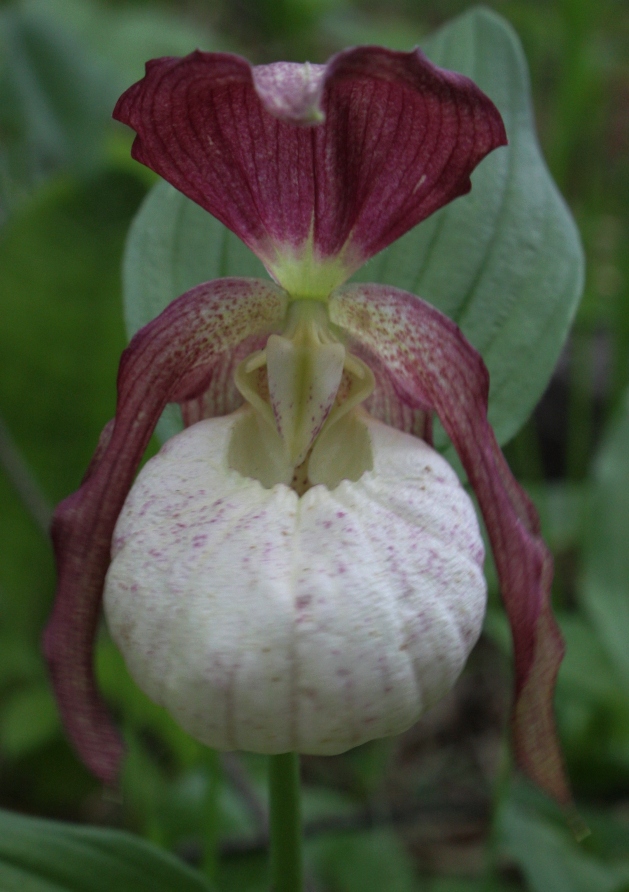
(302,384)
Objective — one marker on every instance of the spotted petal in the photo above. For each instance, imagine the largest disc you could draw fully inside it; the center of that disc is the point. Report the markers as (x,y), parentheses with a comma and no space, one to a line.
(316,168)
(433,366)
(171,359)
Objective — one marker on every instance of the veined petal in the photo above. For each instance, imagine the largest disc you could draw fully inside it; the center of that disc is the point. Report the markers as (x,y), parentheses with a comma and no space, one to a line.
(392,139)
(386,405)
(171,359)
(221,397)
(433,365)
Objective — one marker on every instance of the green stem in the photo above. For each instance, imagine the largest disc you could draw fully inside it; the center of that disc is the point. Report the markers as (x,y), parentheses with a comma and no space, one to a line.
(285,824)
(211,823)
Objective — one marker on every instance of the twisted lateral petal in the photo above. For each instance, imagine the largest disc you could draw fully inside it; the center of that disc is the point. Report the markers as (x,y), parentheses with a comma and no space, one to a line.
(399,139)
(221,397)
(166,361)
(385,403)
(432,364)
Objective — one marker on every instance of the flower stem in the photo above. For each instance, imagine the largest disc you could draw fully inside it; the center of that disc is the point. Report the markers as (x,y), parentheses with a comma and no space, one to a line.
(285,824)
(212,766)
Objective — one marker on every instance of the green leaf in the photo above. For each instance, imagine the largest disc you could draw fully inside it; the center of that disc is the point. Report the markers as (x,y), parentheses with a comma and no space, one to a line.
(60,341)
(592,711)
(61,334)
(123,38)
(463,884)
(551,859)
(48,856)
(561,506)
(248,874)
(605,588)
(63,64)
(17,662)
(587,674)
(29,719)
(55,103)
(364,862)
(505,261)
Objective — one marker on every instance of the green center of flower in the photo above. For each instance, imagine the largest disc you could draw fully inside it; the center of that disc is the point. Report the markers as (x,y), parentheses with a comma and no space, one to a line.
(301,389)
(305,275)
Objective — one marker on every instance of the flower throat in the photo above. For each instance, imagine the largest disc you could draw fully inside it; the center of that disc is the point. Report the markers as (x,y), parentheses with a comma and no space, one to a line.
(301,427)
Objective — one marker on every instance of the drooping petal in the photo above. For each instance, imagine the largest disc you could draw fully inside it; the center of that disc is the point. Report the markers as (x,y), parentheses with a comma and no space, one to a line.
(386,405)
(171,359)
(221,397)
(432,364)
(398,138)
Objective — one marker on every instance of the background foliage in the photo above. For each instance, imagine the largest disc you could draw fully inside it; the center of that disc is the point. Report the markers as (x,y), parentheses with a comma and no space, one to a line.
(436,809)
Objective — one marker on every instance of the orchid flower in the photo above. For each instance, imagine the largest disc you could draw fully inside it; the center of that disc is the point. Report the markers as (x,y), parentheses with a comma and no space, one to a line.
(299,569)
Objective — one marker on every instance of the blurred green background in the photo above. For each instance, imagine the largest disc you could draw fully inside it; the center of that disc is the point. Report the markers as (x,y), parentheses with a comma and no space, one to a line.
(437,809)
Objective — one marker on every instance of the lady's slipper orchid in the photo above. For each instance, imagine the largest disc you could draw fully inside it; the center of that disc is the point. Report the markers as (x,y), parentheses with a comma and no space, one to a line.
(305,571)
